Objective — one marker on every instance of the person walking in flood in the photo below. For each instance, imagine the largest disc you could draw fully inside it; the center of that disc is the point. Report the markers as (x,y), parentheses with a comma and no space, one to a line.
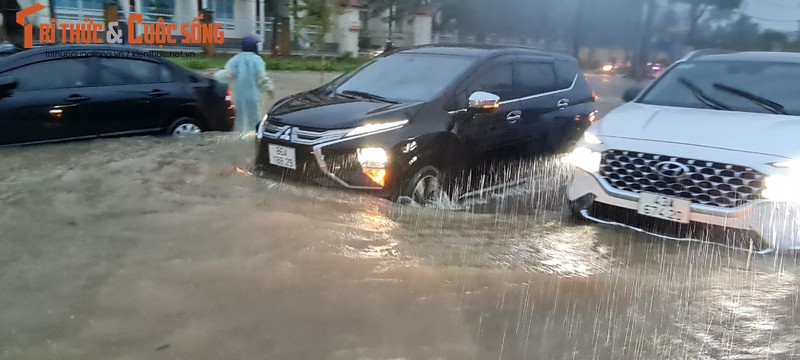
(246,75)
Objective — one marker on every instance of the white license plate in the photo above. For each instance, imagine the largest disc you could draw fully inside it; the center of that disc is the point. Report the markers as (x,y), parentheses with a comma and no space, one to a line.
(665,207)
(282,156)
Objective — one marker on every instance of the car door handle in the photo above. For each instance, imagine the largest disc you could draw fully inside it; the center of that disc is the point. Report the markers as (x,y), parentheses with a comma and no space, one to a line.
(158,93)
(563,103)
(77,98)
(514,116)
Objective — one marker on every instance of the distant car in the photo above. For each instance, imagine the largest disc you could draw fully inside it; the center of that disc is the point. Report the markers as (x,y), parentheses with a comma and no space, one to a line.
(402,123)
(712,142)
(67,92)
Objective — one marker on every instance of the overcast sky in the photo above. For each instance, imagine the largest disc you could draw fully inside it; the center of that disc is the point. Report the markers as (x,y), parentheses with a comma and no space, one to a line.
(776,14)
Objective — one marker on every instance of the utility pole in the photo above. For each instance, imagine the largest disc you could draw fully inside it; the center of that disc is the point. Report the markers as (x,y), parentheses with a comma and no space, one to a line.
(639,71)
(578,28)
(391,23)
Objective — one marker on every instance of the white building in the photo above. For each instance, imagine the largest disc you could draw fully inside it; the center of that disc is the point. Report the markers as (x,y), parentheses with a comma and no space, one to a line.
(353,24)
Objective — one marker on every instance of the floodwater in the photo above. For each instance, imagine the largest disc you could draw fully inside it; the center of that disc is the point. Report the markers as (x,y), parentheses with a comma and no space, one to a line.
(155,248)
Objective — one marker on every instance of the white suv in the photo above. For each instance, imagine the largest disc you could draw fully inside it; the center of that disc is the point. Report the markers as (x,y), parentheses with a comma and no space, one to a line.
(715,141)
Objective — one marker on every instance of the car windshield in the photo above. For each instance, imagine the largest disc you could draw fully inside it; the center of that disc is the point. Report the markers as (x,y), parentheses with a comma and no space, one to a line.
(748,86)
(404,77)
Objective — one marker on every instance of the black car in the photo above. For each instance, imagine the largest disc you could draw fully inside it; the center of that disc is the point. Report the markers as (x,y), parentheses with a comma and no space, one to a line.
(66,92)
(405,120)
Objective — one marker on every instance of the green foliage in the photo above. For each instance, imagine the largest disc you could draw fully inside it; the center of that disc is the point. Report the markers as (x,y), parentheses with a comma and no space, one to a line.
(743,34)
(347,56)
(698,9)
(316,14)
(342,64)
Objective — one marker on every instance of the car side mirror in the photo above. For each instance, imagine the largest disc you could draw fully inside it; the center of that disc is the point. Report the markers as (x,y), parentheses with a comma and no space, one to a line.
(7,83)
(483,102)
(631,94)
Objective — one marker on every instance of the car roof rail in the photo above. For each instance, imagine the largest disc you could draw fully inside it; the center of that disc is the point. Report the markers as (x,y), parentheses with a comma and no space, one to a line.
(706,52)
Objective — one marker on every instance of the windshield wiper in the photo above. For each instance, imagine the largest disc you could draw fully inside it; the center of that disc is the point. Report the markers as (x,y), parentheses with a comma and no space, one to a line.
(367,95)
(768,104)
(698,93)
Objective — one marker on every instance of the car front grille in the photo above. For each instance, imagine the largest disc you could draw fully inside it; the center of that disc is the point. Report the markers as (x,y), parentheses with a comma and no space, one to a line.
(703,182)
(301,136)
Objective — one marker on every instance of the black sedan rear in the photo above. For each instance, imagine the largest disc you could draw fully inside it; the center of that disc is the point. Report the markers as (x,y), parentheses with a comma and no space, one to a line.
(69,92)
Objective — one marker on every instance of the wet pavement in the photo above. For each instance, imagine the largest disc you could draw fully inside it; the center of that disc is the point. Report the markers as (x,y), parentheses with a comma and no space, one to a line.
(155,248)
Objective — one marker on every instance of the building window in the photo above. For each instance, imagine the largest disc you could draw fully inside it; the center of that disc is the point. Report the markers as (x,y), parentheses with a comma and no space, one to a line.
(159,7)
(223,9)
(79,4)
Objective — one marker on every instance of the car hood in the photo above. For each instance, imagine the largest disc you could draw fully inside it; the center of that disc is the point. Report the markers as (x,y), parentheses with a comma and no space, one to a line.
(325,112)
(738,131)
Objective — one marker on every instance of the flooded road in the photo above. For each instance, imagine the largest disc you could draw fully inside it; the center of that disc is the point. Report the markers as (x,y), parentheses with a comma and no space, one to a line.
(154,248)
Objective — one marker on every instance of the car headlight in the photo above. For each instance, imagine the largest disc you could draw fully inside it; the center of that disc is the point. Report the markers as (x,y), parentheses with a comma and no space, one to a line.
(591,139)
(369,128)
(373,164)
(784,187)
(585,158)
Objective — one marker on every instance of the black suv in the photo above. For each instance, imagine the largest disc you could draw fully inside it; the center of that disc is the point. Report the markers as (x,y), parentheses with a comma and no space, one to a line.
(401,122)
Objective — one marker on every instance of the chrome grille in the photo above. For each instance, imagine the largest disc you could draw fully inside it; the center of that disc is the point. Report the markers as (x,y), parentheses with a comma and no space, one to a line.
(704,182)
(300,136)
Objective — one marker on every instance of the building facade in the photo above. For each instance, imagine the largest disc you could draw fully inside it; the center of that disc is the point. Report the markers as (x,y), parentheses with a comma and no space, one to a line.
(354,28)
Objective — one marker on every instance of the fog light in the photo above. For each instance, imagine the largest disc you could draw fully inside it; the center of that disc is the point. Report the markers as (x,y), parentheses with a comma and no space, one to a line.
(585,158)
(373,164)
(591,139)
(376,175)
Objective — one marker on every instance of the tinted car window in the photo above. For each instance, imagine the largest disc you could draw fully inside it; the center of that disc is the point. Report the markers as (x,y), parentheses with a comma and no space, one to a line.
(535,78)
(773,81)
(129,71)
(496,79)
(52,74)
(406,77)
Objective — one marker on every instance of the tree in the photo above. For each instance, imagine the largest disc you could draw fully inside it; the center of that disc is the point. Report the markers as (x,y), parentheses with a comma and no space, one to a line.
(701,8)
(316,16)
(744,34)
(398,9)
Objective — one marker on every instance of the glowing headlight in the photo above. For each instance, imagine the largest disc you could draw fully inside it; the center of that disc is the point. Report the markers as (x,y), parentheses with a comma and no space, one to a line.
(365,129)
(591,139)
(787,164)
(372,157)
(782,187)
(373,164)
(585,158)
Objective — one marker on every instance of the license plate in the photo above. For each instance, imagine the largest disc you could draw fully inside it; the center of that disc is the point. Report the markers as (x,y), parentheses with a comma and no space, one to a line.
(665,207)
(282,156)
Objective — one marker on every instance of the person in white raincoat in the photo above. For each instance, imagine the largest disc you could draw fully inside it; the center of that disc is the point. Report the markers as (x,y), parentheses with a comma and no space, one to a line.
(246,75)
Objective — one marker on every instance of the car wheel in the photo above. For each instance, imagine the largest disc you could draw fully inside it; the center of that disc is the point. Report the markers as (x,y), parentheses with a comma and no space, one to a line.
(185,126)
(424,187)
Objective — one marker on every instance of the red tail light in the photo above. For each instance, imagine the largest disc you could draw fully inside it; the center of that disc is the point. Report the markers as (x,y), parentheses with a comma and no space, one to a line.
(594,96)
(229,95)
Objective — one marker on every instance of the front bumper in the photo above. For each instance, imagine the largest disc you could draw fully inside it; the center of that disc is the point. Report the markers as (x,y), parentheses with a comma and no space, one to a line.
(775,223)
(324,165)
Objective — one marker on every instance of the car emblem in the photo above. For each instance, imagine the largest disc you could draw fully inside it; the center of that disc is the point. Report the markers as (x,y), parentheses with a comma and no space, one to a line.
(287,135)
(672,169)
